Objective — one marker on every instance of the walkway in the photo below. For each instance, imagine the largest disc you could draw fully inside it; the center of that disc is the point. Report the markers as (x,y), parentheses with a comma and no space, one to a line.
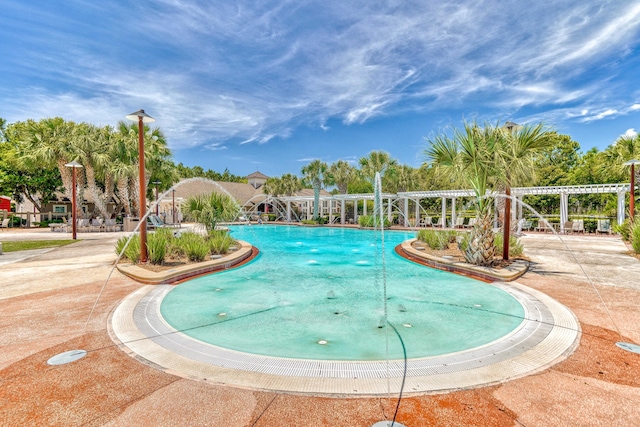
(47,299)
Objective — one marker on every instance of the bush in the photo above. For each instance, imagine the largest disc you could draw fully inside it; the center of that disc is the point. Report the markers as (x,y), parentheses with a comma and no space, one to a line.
(515,247)
(370,221)
(437,240)
(194,245)
(219,242)
(158,245)
(624,230)
(132,251)
(635,237)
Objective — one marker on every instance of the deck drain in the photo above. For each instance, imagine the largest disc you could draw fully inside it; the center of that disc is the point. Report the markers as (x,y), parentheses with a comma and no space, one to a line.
(629,347)
(67,357)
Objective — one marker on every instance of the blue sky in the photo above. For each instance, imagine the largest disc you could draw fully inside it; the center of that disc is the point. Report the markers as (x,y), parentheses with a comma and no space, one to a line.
(271,85)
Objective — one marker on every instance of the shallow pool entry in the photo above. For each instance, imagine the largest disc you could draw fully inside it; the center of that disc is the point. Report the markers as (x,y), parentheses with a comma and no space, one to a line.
(324,282)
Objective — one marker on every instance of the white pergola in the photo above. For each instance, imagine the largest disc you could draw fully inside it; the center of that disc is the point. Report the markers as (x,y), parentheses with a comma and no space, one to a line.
(403,199)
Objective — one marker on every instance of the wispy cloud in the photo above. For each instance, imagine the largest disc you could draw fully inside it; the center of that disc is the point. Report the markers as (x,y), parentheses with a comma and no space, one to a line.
(241,73)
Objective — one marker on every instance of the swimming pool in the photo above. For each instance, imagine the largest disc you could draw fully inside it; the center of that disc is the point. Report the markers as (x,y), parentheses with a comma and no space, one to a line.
(317,293)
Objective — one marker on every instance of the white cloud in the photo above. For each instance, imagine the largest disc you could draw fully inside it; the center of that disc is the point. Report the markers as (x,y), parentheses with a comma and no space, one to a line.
(630,133)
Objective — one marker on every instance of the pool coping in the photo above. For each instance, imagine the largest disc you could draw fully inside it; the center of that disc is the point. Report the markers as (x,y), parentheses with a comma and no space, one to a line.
(174,275)
(507,274)
(138,328)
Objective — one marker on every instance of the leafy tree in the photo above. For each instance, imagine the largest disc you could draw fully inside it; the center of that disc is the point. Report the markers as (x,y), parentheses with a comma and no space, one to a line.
(315,175)
(21,178)
(208,210)
(377,161)
(342,173)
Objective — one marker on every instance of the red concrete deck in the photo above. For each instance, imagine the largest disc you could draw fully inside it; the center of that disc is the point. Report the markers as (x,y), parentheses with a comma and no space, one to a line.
(46,300)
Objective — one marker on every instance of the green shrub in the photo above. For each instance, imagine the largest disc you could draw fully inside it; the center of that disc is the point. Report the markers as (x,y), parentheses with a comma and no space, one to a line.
(194,245)
(624,230)
(635,237)
(370,221)
(515,247)
(158,244)
(437,240)
(132,251)
(219,242)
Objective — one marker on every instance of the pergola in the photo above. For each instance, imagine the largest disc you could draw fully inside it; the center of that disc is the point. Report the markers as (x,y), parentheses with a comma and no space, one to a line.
(403,199)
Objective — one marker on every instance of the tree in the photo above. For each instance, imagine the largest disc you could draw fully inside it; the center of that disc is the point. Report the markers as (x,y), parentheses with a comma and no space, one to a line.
(468,155)
(208,210)
(315,174)
(515,153)
(342,173)
(22,178)
(377,161)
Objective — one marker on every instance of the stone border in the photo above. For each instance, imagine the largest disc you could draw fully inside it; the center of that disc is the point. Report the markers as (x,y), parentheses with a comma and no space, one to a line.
(549,334)
(244,253)
(508,274)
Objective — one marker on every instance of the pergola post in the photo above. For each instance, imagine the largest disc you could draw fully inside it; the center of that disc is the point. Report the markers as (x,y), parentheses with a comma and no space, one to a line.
(454,218)
(444,212)
(343,211)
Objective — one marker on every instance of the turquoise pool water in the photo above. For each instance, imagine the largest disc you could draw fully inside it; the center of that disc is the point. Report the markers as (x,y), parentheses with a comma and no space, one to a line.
(317,293)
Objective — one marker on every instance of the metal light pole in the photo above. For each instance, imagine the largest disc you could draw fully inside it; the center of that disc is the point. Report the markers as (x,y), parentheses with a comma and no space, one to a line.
(74,210)
(157,201)
(173,206)
(142,117)
(632,190)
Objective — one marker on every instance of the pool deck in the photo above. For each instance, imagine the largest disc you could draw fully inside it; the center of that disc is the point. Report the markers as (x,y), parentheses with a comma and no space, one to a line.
(47,296)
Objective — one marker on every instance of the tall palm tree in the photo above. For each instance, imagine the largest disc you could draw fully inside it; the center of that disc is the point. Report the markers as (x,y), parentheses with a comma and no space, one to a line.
(315,174)
(468,155)
(515,156)
(48,142)
(290,184)
(125,161)
(92,147)
(342,173)
(377,161)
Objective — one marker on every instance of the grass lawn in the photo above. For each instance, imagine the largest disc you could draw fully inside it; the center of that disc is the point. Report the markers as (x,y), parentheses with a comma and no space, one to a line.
(34,244)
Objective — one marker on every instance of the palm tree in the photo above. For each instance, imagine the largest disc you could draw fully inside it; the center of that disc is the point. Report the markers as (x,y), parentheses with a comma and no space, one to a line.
(211,209)
(342,173)
(124,165)
(49,142)
(468,155)
(315,174)
(290,184)
(377,161)
(515,156)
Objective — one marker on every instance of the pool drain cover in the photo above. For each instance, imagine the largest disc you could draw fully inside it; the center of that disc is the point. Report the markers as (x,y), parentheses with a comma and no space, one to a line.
(67,357)
(629,347)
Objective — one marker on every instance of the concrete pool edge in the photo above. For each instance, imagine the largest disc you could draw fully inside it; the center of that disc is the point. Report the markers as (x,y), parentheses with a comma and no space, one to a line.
(508,274)
(556,340)
(233,259)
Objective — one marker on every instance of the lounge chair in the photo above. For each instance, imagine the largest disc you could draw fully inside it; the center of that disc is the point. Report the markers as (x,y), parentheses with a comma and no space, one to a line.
(471,222)
(568,227)
(578,226)
(459,222)
(438,222)
(111,225)
(5,223)
(95,224)
(83,225)
(425,221)
(604,226)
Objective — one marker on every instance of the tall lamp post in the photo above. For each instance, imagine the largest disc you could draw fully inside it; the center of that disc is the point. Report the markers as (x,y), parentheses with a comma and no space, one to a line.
(632,191)
(141,117)
(157,201)
(173,206)
(74,211)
